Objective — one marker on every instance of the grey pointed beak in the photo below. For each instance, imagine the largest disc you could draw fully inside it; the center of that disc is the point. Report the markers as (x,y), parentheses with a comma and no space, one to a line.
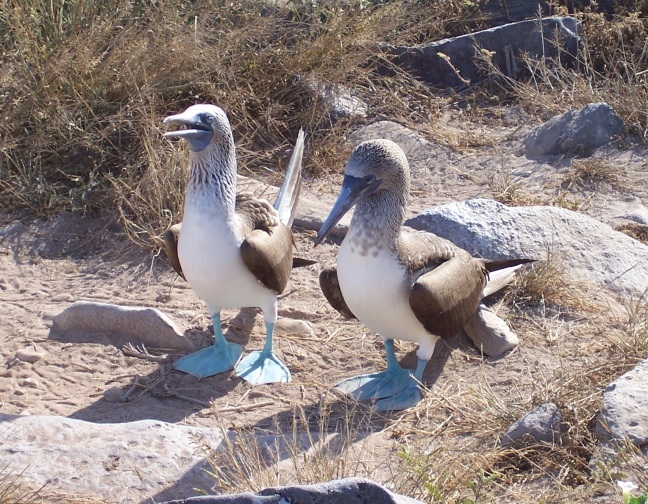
(353,190)
(197,132)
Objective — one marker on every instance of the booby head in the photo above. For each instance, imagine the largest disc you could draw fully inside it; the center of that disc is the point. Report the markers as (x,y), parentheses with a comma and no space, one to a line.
(374,166)
(203,123)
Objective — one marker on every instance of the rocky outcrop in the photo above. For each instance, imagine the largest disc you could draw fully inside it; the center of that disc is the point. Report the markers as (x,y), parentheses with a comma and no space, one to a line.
(454,62)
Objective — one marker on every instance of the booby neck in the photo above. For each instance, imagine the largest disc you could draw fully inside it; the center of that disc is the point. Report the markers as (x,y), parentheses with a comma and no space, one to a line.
(212,177)
(378,217)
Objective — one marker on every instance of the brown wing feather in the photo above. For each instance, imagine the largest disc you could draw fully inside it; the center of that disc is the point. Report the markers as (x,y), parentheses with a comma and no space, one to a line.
(445,298)
(267,248)
(171,237)
(447,282)
(331,289)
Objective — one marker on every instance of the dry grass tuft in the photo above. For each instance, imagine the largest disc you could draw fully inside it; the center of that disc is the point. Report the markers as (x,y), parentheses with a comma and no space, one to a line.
(321,446)
(12,488)
(544,284)
(637,231)
(591,172)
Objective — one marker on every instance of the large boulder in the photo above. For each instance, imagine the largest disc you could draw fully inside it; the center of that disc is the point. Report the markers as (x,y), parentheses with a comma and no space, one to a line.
(141,461)
(624,409)
(454,62)
(587,250)
(349,491)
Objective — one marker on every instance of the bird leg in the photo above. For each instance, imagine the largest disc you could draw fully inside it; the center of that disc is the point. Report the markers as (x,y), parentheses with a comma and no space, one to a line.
(217,358)
(263,366)
(393,389)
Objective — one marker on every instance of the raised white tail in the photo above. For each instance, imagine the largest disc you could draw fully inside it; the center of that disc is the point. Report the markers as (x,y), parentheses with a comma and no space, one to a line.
(286,202)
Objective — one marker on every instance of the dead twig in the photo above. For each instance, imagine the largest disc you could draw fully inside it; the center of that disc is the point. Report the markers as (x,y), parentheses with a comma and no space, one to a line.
(141,352)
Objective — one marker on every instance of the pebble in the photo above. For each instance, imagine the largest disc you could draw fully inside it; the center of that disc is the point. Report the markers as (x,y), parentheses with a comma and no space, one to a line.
(294,327)
(66,296)
(113,394)
(29,355)
(30,382)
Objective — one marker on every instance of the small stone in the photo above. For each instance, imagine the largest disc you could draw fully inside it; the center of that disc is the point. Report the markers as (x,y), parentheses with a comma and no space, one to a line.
(29,355)
(541,424)
(294,327)
(490,333)
(113,394)
(138,325)
(30,382)
(64,296)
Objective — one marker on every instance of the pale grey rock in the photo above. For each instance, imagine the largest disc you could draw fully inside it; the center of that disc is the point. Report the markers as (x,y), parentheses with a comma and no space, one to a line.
(536,38)
(30,382)
(585,249)
(541,424)
(30,355)
(14,228)
(347,491)
(638,215)
(574,132)
(624,409)
(294,327)
(342,103)
(143,461)
(147,326)
(490,333)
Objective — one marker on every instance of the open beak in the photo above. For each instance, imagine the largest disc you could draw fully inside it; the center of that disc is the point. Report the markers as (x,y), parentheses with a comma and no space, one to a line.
(353,190)
(196,130)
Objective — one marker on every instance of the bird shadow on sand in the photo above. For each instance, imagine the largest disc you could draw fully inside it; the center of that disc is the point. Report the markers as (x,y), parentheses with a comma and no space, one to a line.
(163,393)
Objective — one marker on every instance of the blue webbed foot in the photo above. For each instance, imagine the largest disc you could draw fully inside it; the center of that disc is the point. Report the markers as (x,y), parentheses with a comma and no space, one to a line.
(263,367)
(211,360)
(393,390)
(375,385)
(406,398)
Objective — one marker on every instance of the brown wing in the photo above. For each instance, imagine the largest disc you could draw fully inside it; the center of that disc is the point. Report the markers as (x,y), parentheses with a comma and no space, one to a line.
(447,282)
(445,298)
(268,245)
(331,289)
(171,237)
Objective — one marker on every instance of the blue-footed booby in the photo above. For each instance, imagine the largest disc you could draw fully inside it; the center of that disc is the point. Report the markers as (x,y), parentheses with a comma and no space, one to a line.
(401,283)
(234,250)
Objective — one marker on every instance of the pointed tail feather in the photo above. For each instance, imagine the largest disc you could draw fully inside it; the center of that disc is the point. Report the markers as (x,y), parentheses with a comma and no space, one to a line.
(502,273)
(286,202)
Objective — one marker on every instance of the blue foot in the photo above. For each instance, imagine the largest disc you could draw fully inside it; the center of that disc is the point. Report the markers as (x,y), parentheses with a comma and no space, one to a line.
(263,367)
(375,385)
(211,360)
(407,398)
(218,358)
(393,390)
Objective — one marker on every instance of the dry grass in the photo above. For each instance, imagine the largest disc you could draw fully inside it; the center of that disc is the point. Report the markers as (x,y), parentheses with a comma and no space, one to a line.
(637,231)
(84,87)
(13,489)
(592,172)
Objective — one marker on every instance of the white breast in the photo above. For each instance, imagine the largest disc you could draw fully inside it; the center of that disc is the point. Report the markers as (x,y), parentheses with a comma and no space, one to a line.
(376,289)
(209,253)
